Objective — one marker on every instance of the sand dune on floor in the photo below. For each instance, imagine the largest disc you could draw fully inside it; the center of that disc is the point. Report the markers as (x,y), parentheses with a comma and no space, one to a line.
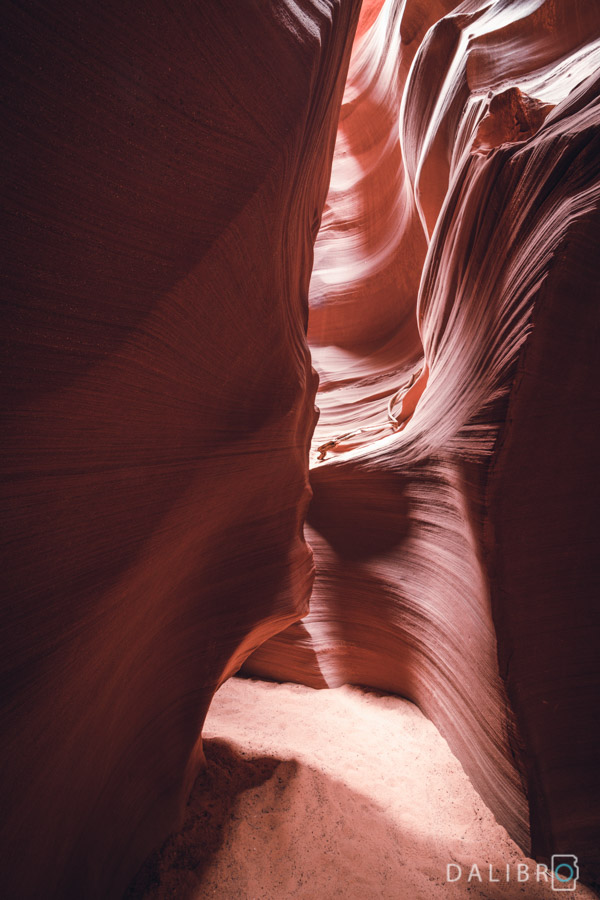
(340,793)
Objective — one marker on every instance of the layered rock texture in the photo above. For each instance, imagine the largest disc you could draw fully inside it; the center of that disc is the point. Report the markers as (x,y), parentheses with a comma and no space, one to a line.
(165,171)
(166,175)
(453,523)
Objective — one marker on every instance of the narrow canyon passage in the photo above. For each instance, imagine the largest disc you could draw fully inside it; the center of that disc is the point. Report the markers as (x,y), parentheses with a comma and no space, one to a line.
(465,175)
(214,219)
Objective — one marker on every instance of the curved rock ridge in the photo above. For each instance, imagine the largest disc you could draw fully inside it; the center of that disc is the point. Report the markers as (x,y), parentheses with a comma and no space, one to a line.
(165,171)
(464,197)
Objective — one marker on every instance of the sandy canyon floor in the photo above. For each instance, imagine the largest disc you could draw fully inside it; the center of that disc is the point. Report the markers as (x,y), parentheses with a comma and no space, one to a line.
(341,793)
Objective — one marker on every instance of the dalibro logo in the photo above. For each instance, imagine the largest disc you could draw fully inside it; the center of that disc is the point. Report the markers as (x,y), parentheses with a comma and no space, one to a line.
(564,873)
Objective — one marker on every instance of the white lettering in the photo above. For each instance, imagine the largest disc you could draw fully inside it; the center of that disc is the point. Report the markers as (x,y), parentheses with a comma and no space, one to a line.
(454,873)
(474,873)
(453,866)
(522,872)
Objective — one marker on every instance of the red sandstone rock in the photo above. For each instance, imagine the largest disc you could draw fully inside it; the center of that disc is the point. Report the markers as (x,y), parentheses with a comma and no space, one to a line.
(450,554)
(165,171)
(512,117)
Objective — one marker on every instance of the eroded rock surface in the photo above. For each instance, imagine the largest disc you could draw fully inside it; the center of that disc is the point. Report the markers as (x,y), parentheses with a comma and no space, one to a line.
(454,556)
(165,169)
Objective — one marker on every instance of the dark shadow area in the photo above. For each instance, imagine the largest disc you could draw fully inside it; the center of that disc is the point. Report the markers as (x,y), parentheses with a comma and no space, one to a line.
(361,512)
(209,808)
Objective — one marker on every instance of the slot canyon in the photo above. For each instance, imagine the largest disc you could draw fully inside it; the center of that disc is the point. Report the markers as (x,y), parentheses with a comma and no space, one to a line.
(300,372)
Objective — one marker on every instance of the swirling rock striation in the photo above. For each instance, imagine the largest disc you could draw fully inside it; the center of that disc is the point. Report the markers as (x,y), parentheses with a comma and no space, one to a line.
(453,541)
(165,171)
(165,174)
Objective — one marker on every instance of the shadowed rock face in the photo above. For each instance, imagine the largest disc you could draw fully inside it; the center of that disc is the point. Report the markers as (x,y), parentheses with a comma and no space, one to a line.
(454,554)
(165,171)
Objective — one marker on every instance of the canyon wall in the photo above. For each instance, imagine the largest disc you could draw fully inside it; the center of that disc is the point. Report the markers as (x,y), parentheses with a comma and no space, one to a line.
(454,325)
(165,169)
